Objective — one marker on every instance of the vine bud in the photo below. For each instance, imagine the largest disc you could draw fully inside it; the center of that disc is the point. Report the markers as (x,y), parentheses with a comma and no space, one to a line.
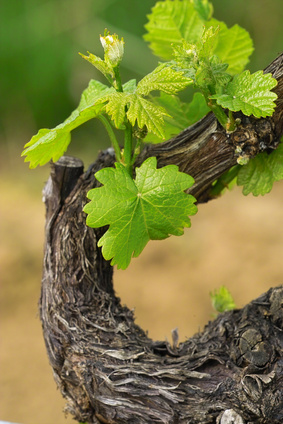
(113,48)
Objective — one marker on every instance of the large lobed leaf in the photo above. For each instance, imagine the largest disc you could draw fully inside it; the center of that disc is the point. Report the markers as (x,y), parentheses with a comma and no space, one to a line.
(151,207)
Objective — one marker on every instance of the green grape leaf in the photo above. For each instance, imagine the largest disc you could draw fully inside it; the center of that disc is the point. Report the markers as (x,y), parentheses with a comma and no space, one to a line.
(146,113)
(207,42)
(130,86)
(222,300)
(234,46)
(218,70)
(116,107)
(116,102)
(151,207)
(51,144)
(171,22)
(164,79)
(249,93)
(204,9)
(102,66)
(259,174)
(182,115)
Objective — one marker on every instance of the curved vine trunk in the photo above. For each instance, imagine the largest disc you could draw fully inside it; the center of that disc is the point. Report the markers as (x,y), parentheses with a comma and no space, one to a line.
(106,367)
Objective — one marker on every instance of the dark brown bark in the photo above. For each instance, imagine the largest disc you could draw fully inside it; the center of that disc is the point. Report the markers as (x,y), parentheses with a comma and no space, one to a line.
(106,367)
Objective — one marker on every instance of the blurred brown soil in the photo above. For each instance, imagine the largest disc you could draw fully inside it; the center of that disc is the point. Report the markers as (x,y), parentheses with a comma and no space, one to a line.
(235,241)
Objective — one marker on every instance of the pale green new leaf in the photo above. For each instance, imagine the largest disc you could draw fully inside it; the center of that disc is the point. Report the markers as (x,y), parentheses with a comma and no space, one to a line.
(222,300)
(51,144)
(234,46)
(146,113)
(130,86)
(164,79)
(249,93)
(171,22)
(115,107)
(258,176)
(100,65)
(204,9)
(182,115)
(116,102)
(208,41)
(151,207)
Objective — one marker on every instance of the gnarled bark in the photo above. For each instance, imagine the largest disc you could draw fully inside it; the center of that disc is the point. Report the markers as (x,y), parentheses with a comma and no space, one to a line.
(106,367)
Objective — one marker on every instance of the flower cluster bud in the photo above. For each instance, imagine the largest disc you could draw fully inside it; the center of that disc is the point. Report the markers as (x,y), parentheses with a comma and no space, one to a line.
(113,49)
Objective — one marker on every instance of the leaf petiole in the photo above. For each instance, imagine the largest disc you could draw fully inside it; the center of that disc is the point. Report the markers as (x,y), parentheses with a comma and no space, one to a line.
(128,144)
(112,136)
(219,113)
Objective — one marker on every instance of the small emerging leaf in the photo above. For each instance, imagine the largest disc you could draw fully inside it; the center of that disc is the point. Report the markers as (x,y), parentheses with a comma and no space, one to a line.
(222,300)
(151,207)
(100,65)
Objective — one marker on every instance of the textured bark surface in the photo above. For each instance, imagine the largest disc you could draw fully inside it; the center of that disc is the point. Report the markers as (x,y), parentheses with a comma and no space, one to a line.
(106,367)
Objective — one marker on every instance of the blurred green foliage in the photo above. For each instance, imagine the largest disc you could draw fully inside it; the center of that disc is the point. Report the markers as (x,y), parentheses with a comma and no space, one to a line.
(42,74)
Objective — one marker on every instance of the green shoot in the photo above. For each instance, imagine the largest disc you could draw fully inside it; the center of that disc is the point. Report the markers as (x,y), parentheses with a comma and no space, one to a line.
(222,300)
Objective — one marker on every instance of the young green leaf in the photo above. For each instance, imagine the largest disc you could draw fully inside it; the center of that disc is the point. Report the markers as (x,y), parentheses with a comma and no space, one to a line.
(198,62)
(147,114)
(51,144)
(164,79)
(100,65)
(234,46)
(258,176)
(116,107)
(222,300)
(204,9)
(249,93)
(151,207)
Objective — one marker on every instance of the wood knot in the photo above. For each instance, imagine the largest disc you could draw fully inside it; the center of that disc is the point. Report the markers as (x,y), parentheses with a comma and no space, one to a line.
(253,349)
(253,136)
(246,141)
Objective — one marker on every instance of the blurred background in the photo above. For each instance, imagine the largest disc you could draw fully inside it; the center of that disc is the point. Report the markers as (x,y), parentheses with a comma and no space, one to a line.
(236,241)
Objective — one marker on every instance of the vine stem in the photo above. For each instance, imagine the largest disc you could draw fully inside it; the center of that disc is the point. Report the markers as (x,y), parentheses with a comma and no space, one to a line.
(112,136)
(128,145)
